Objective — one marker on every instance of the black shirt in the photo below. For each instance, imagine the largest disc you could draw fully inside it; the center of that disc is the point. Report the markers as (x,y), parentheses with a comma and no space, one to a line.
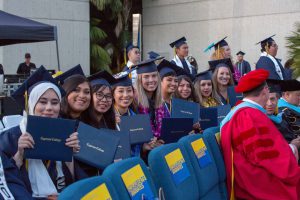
(25,69)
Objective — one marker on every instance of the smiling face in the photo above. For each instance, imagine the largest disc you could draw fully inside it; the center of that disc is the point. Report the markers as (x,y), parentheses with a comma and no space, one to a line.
(79,99)
(206,88)
(48,105)
(169,84)
(223,76)
(150,81)
(102,99)
(123,96)
(227,52)
(184,89)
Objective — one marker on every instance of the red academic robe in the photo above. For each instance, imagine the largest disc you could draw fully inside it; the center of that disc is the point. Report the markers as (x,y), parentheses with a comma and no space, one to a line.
(264,165)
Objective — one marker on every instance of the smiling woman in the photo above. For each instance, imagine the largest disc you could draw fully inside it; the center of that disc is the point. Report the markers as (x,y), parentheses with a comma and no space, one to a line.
(77,99)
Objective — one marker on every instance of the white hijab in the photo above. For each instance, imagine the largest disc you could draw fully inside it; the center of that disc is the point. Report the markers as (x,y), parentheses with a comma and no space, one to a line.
(41,183)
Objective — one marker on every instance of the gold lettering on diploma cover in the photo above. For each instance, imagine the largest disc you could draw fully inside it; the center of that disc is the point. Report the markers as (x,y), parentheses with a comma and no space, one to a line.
(50,139)
(94,147)
(186,112)
(136,129)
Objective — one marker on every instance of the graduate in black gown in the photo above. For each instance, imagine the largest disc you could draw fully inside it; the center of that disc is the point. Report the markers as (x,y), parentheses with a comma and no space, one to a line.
(43,100)
(268,60)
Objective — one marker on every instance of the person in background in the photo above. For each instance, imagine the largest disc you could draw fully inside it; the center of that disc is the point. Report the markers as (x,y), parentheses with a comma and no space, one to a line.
(288,68)
(181,53)
(101,112)
(280,122)
(185,89)
(1,69)
(222,78)
(268,60)
(134,56)
(223,51)
(242,65)
(251,144)
(288,104)
(27,66)
(205,91)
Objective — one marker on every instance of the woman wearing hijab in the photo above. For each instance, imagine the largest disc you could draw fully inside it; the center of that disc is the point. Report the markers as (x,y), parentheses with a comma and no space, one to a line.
(44,101)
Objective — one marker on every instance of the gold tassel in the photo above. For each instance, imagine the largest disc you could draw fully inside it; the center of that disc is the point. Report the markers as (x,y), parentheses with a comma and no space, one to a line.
(26,101)
(267,48)
(129,75)
(174,51)
(125,56)
(218,52)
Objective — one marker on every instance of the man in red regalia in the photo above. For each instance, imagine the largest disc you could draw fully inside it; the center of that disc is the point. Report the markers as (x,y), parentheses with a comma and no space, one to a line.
(259,162)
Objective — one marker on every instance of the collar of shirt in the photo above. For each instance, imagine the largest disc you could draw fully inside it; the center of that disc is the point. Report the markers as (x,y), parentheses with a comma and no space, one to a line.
(129,63)
(253,102)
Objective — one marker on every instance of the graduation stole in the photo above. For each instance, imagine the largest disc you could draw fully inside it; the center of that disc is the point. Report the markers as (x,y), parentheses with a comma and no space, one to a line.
(227,119)
(284,103)
(276,118)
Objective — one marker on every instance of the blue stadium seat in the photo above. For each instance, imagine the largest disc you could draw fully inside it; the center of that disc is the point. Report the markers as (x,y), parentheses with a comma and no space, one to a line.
(90,188)
(134,173)
(204,166)
(211,135)
(172,171)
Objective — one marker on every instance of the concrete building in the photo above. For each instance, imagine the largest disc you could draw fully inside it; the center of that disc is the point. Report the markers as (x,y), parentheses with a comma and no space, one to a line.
(72,20)
(245,22)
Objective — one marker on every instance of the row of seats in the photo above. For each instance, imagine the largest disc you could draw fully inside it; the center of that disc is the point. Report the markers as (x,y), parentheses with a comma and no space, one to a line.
(9,121)
(191,169)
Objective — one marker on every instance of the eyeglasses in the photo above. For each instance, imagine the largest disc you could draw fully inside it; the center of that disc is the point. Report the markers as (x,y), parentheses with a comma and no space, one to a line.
(100,96)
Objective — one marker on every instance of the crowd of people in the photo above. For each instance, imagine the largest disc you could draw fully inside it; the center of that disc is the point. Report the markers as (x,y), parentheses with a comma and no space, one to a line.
(259,136)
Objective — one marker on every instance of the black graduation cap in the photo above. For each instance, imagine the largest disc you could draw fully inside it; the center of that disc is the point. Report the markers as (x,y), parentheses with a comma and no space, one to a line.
(73,71)
(221,43)
(274,85)
(130,46)
(153,55)
(240,53)
(178,43)
(101,78)
(146,66)
(40,75)
(226,62)
(122,78)
(264,41)
(205,75)
(166,67)
(289,85)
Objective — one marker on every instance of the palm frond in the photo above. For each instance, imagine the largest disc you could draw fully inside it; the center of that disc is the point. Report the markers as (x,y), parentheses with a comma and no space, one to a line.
(97,34)
(100,4)
(293,45)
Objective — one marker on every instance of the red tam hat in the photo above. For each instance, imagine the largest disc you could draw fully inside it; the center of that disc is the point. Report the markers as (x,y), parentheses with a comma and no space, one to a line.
(252,80)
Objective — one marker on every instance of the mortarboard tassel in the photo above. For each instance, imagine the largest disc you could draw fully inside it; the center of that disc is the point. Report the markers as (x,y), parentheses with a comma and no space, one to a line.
(129,75)
(267,48)
(218,52)
(125,57)
(174,51)
(26,101)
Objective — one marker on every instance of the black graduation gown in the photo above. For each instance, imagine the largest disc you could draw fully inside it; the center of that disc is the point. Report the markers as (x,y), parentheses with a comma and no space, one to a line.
(267,64)
(18,187)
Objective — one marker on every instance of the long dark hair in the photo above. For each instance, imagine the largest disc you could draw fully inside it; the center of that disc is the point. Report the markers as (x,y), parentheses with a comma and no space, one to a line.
(193,96)
(69,86)
(108,116)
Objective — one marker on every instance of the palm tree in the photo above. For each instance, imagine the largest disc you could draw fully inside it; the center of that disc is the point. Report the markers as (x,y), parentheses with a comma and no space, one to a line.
(109,33)
(293,44)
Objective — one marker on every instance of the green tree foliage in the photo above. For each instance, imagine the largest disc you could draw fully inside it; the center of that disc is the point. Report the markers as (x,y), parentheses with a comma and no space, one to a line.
(293,44)
(109,33)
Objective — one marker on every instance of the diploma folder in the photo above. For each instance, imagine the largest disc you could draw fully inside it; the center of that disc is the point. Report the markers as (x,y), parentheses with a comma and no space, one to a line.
(233,96)
(124,148)
(175,128)
(49,135)
(213,116)
(185,109)
(139,128)
(97,146)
